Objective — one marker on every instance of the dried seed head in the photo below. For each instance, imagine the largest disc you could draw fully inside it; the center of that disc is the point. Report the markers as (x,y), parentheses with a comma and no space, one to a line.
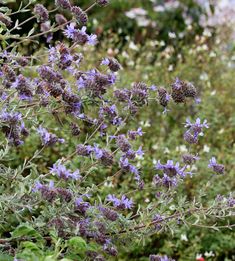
(5,19)
(107,158)
(123,143)
(60,19)
(83,18)
(80,15)
(65,4)
(56,91)
(163,97)
(219,168)
(178,96)
(23,61)
(189,159)
(83,150)
(190,138)
(65,194)
(76,10)
(109,213)
(177,91)
(8,73)
(75,130)
(114,65)
(189,90)
(41,13)
(102,2)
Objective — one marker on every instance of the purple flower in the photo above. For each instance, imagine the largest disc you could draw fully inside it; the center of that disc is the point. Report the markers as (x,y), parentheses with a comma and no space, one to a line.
(98,152)
(169,181)
(41,13)
(92,39)
(134,134)
(153,87)
(11,118)
(80,36)
(230,201)
(84,150)
(81,205)
(190,138)
(105,61)
(70,31)
(170,168)
(48,192)
(64,173)
(197,126)
(140,152)
(160,258)
(47,138)
(218,168)
(123,203)
(194,130)
(158,219)
(189,159)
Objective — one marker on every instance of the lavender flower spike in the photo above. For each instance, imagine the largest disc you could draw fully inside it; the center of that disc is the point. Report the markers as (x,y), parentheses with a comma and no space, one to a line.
(218,168)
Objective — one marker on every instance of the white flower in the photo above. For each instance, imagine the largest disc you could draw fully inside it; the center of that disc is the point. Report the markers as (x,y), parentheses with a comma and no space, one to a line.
(170,68)
(155,147)
(209,254)
(181,148)
(204,76)
(166,150)
(213,93)
(145,123)
(142,21)
(172,35)
(206,148)
(162,43)
(159,8)
(198,256)
(183,237)
(147,200)
(134,12)
(221,131)
(133,46)
(212,54)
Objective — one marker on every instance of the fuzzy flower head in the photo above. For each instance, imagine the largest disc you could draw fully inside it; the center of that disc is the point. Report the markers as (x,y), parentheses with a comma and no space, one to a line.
(218,168)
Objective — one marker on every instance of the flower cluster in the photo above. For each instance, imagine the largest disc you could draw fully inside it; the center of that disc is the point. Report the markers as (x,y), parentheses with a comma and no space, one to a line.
(123,203)
(194,130)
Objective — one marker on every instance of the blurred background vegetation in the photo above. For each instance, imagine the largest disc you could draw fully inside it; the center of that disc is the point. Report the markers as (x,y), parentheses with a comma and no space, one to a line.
(157,41)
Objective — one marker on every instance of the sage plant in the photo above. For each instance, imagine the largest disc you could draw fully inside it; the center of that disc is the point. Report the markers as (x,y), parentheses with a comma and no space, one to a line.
(54,99)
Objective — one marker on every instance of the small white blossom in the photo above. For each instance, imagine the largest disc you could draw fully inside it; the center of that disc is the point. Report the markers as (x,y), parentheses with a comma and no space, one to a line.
(183,237)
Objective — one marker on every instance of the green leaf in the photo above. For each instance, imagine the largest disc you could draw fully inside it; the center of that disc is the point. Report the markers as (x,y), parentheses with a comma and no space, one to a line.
(26,230)
(77,244)
(50,258)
